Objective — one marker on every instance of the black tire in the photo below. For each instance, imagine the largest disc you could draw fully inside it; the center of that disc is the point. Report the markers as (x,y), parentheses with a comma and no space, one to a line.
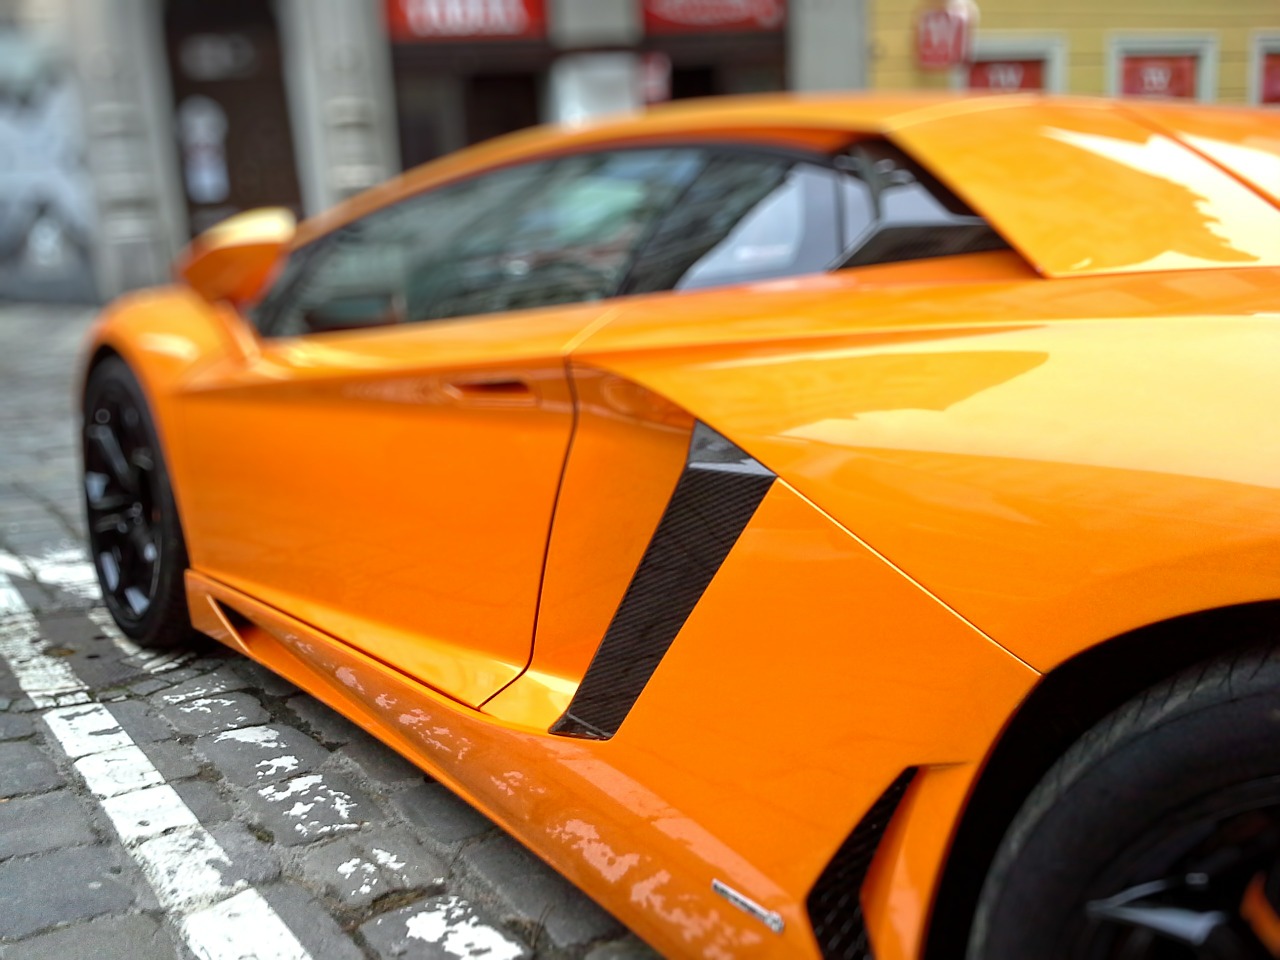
(135,536)
(1170,807)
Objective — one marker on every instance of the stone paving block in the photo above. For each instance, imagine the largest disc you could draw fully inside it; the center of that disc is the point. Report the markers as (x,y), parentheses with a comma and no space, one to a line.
(61,887)
(14,726)
(628,948)
(204,715)
(359,868)
(172,759)
(141,722)
(192,685)
(537,894)
(251,859)
(24,769)
(441,813)
(263,680)
(328,725)
(148,686)
(252,755)
(204,800)
(440,928)
(379,761)
(109,938)
(40,824)
(311,923)
(310,807)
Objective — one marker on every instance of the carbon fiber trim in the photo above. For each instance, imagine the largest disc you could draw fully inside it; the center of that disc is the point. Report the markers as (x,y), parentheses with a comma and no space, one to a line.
(714,500)
(835,902)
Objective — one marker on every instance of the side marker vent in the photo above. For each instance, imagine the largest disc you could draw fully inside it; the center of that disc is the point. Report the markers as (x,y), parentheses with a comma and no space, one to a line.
(714,499)
(835,902)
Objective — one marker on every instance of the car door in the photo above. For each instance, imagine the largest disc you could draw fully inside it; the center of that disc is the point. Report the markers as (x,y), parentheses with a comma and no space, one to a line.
(386,466)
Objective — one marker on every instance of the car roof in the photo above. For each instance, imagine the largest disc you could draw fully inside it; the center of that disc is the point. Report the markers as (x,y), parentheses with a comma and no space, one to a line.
(1079,186)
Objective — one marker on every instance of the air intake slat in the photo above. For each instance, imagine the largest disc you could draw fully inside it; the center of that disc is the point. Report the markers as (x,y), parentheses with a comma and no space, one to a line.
(835,902)
(714,500)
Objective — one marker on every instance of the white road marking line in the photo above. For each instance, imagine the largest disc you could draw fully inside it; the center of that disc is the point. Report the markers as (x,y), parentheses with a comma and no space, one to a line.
(118,771)
(48,681)
(152,661)
(219,932)
(179,857)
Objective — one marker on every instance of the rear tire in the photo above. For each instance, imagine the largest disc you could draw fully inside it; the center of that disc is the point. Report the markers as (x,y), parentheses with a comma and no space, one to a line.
(1149,834)
(135,537)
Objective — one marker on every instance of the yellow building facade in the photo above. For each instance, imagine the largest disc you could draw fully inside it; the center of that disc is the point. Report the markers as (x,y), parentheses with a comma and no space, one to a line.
(1225,51)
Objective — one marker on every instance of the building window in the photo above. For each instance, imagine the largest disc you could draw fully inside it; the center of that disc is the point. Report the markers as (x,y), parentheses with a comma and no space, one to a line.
(1163,66)
(1012,60)
(1264,68)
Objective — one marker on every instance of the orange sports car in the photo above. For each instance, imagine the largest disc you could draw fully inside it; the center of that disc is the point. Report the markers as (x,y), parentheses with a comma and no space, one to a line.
(819,527)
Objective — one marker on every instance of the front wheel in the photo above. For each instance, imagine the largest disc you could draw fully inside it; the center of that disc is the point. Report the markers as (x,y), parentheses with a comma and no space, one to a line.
(1156,836)
(135,537)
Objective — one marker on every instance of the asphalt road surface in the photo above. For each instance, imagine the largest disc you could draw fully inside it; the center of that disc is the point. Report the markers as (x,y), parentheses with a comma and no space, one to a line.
(192,804)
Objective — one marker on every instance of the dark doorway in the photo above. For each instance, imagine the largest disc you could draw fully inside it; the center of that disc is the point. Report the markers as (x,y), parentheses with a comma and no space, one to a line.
(231,120)
(498,104)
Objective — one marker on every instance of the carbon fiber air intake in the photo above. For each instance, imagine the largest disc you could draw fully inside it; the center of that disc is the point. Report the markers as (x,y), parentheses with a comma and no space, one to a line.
(713,502)
(835,902)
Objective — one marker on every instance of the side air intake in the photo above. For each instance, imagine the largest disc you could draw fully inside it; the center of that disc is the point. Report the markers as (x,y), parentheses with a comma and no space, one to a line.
(714,499)
(835,902)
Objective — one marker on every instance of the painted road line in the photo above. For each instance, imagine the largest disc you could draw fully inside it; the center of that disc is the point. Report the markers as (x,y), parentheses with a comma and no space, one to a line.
(184,864)
(152,661)
(48,681)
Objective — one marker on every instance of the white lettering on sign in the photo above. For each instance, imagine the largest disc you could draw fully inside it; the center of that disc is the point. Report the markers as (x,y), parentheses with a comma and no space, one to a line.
(938,31)
(1005,76)
(1156,78)
(466,18)
(767,14)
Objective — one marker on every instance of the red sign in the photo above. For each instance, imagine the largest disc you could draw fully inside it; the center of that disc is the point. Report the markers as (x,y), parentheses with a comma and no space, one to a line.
(1007,75)
(411,21)
(1269,90)
(1156,76)
(713,16)
(943,37)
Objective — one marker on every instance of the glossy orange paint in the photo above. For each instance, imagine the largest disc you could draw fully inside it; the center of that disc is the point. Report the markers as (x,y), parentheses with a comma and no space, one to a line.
(987,465)
(629,447)
(636,825)
(1245,142)
(429,463)
(234,260)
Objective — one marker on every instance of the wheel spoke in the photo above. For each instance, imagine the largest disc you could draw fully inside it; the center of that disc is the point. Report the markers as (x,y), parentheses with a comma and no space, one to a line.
(109,447)
(142,459)
(110,523)
(1212,934)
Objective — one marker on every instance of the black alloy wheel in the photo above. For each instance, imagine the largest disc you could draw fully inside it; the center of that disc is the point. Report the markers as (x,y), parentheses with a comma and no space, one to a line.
(134,535)
(1156,836)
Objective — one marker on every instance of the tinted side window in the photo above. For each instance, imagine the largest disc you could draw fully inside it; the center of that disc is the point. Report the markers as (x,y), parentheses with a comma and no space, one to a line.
(537,235)
(893,210)
(746,217)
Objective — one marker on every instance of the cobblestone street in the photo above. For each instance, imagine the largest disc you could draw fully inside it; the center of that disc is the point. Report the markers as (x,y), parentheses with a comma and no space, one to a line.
(174,804)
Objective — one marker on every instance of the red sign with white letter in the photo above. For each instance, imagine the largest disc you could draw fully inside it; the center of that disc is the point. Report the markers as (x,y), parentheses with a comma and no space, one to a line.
(713,16)
(1269,89)
(1007,75)
(1155,76)
(411,21)
(943,37)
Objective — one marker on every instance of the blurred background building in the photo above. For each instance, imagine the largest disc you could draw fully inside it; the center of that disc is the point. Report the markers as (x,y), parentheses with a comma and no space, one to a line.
(128,125)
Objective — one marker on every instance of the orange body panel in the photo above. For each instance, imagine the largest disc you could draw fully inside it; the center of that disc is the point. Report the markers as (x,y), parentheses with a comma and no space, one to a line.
(395,491)
(986,465)
(629,447)
(1037,476)
(635,825)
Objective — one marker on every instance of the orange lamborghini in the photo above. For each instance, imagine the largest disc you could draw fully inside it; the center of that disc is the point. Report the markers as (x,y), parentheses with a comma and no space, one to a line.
(819,527)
